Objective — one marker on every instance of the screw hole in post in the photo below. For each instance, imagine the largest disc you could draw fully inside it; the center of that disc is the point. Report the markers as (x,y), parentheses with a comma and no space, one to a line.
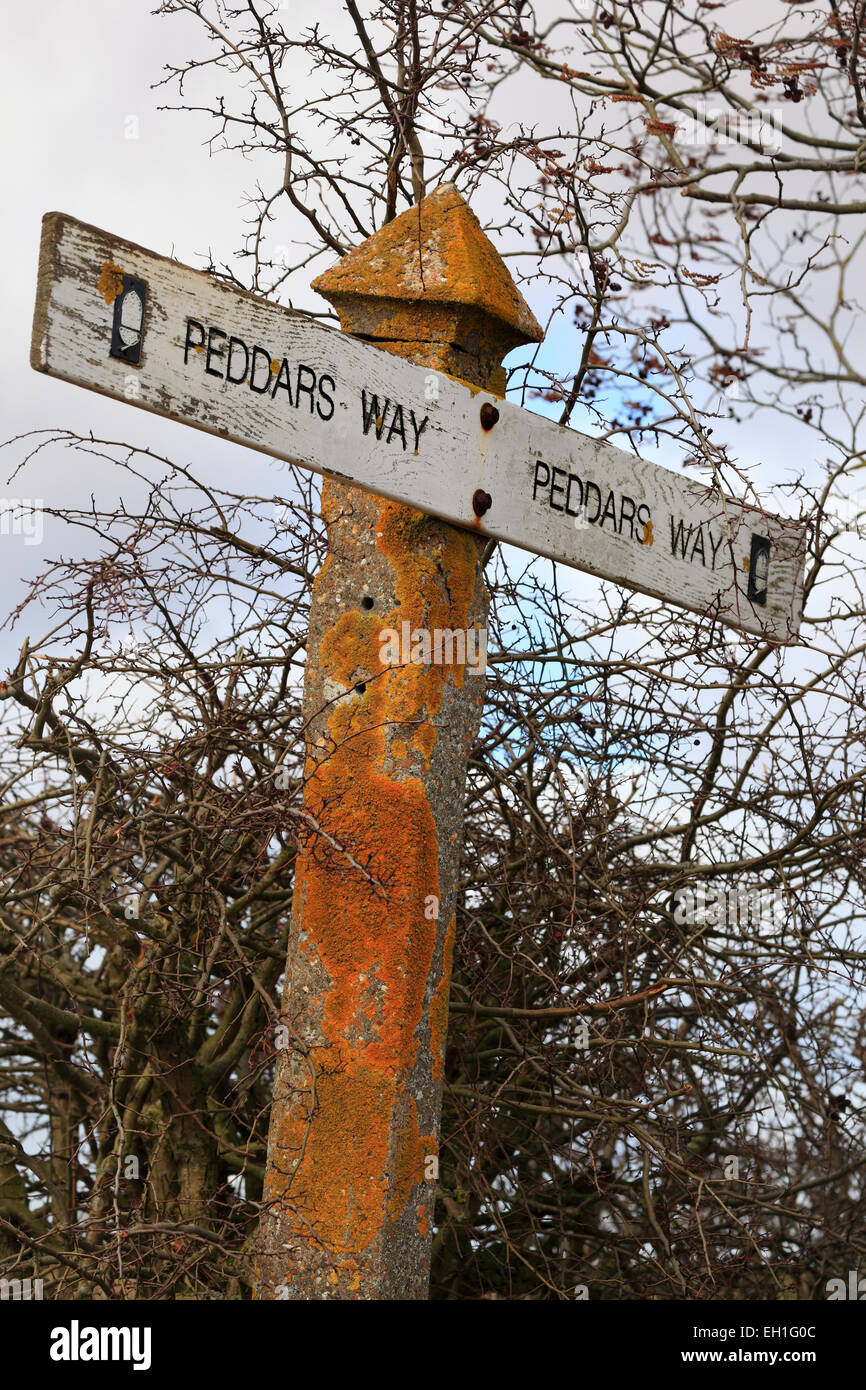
(366,601)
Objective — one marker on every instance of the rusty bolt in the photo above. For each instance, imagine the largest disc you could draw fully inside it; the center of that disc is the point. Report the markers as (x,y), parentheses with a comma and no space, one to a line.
(488,415)
(481,502)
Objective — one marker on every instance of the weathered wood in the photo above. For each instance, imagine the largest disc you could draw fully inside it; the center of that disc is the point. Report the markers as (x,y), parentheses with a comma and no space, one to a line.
(229,363)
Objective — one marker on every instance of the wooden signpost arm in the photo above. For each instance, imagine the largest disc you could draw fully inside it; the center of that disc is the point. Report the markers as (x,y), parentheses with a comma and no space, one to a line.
(353,1146)
(124,321)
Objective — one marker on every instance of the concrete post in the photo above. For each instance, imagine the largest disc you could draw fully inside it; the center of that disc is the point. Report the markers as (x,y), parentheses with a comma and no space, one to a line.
(353,1144)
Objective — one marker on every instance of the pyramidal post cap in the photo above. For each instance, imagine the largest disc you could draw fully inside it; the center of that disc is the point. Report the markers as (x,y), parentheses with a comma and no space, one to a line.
(434,254)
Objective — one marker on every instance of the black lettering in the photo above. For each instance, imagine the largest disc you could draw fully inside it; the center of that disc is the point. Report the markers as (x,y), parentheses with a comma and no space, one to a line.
(260,352)
(323,395)
(212,351)
(543,481)
(609,510)
(679,538)
(419,429)
(554,487)
(699,537)
(623,517)
(373,413)
(306,390)
(715,545)
(598,508)
(397,428)
(283,385)
(190,324)
(573,478)
(237,380)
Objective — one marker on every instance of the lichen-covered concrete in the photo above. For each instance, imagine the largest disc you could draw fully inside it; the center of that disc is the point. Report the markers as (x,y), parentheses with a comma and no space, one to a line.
(355,1123)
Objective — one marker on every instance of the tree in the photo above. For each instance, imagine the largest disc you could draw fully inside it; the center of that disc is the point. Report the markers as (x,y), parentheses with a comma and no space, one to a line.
(656,1038)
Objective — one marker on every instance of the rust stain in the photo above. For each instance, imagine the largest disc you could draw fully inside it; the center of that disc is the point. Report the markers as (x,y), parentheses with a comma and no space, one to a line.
(647,538)
(110,281)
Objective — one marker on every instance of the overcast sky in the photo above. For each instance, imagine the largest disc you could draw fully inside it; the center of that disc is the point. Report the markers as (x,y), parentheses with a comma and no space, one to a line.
(75,78)
(84,135)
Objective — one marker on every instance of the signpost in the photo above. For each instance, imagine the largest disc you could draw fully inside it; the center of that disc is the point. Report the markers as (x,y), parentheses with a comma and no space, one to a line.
(131,324)
(422,460)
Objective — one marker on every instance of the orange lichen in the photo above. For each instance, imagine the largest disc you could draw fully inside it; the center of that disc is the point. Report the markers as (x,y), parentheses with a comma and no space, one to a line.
(377,952)
(110,281)
(426,599)
(437,253)
(379,955)
(345,1160)
(347,1155)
